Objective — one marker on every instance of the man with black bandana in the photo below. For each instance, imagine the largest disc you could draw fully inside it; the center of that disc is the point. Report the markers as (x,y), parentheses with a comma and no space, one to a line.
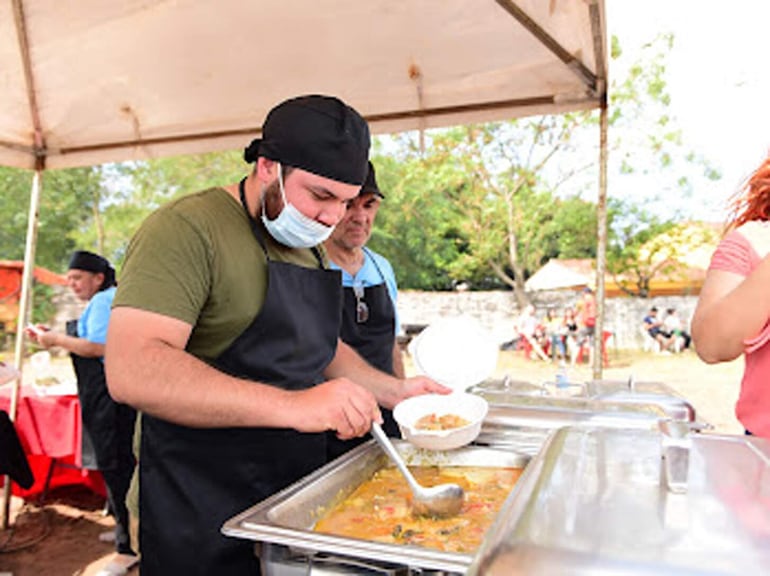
(107,425)
(224,334)
(369,315)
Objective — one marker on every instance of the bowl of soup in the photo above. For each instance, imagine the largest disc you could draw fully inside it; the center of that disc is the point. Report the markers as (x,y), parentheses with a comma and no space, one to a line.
(441,421)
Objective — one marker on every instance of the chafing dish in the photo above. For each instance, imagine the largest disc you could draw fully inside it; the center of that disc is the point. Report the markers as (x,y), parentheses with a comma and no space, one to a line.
(281,525)
(599,402)
(614,501)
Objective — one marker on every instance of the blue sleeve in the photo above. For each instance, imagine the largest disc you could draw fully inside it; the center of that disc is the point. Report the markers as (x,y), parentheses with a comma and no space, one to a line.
(390,282)
(96,317)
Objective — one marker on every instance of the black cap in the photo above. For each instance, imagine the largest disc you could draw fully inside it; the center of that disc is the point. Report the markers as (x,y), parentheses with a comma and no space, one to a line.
(370,184)
(319,134)
(90,262)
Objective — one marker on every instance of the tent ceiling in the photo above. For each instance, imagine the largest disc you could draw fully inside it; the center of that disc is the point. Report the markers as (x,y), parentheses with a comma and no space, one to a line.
(96,81)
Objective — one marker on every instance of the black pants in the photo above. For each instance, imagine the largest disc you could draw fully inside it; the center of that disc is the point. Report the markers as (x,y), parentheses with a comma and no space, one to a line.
(117,481)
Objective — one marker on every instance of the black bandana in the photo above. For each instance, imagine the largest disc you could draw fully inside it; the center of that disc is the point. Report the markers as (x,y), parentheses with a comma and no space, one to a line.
(90,262)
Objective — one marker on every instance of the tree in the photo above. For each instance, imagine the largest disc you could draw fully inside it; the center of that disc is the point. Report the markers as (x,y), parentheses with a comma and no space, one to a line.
(138,188)
(68,201)
(664,249)
(480,191)
(510,195)
(633,257)
(646,142)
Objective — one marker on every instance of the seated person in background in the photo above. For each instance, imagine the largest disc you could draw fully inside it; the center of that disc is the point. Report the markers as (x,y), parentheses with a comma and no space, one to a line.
(555,331)
(656,330)
(672,324)
(571,334)
(527,323)
(524,325)
(586,314)
(528,329)
(585,311)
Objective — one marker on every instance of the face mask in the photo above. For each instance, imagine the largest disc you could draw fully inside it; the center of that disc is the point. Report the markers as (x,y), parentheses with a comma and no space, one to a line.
(292,228)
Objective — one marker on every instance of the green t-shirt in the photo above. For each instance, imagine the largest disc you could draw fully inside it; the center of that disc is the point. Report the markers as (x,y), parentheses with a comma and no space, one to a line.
(196,259)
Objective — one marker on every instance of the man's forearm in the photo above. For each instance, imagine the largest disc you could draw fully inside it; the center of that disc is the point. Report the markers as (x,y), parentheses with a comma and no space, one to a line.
(79,346)
(175,386)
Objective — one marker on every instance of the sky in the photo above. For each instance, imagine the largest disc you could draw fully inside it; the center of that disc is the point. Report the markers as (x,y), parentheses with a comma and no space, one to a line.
(717,79)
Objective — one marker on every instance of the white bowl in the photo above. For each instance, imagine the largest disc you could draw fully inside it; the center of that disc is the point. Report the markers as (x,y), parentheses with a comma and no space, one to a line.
(456,351)
(468,406)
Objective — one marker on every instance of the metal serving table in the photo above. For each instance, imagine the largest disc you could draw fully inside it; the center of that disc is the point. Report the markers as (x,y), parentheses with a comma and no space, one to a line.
(613,501)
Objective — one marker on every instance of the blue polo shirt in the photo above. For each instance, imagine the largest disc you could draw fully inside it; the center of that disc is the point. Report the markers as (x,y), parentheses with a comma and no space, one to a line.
(93,323)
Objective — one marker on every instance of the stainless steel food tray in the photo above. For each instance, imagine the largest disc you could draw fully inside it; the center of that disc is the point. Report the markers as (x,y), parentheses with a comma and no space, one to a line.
(610,400)
(601,501)
(287,517)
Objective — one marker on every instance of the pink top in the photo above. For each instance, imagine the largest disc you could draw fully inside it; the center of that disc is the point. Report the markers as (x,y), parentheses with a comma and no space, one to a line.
(735,254)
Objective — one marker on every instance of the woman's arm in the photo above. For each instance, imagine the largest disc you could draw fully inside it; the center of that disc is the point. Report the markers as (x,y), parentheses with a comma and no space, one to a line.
(734,304)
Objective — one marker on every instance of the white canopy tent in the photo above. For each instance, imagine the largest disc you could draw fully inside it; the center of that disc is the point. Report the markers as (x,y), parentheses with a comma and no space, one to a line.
(95,81)
(554,275)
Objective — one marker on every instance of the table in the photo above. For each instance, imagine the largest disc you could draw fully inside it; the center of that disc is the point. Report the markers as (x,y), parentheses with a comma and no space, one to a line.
(50,430)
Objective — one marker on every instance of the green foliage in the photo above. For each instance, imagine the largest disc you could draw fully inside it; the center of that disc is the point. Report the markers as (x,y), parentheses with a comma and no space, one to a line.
(66,200)
(476,208)
(630,257)
(141,187)
(414,228)
(645,139)
(43,309)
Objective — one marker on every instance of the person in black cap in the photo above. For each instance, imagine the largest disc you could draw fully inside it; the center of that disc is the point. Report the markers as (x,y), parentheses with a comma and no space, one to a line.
(369,316)
(107,425)
(224,334)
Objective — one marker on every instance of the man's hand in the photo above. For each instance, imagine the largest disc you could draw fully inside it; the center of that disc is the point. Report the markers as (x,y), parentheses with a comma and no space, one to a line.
(758,235)
(48,339)
(339,405)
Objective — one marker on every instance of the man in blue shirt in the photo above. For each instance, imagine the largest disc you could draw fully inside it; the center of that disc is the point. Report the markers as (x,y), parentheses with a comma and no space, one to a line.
(369,317)
(108,425)
(656,330)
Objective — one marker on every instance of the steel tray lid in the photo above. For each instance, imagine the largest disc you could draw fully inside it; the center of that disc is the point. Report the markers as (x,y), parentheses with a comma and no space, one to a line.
(599,501)
(623,398)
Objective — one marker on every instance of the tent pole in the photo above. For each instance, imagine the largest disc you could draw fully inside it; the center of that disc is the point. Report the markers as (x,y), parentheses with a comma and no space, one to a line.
(24,306)
(601,248)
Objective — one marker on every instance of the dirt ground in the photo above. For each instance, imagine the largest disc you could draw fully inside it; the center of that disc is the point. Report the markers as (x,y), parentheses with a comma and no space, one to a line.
(61,538)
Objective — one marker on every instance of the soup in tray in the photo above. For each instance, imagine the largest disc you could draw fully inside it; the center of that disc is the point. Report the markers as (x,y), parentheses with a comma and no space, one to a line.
(380,509)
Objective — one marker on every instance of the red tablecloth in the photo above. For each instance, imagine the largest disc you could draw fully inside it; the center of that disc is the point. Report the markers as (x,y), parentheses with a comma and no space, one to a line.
(50,429)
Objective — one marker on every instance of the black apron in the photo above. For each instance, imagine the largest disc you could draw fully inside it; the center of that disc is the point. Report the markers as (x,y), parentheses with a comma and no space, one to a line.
(373,340)
(108,430)
(192,480)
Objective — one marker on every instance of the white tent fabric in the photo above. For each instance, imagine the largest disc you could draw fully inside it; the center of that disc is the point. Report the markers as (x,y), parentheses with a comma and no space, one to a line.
(94,81)
(555,276)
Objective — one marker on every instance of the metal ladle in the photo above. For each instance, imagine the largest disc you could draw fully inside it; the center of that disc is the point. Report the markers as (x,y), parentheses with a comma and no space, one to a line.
(439,501)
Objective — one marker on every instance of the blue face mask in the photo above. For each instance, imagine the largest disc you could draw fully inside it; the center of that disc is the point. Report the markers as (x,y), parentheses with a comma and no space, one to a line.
(292,228)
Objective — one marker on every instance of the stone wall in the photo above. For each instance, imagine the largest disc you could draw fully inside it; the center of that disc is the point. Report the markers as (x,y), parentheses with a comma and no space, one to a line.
(497,311)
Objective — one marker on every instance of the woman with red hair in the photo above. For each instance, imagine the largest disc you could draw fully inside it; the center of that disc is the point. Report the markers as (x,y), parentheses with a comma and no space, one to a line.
(733,312)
